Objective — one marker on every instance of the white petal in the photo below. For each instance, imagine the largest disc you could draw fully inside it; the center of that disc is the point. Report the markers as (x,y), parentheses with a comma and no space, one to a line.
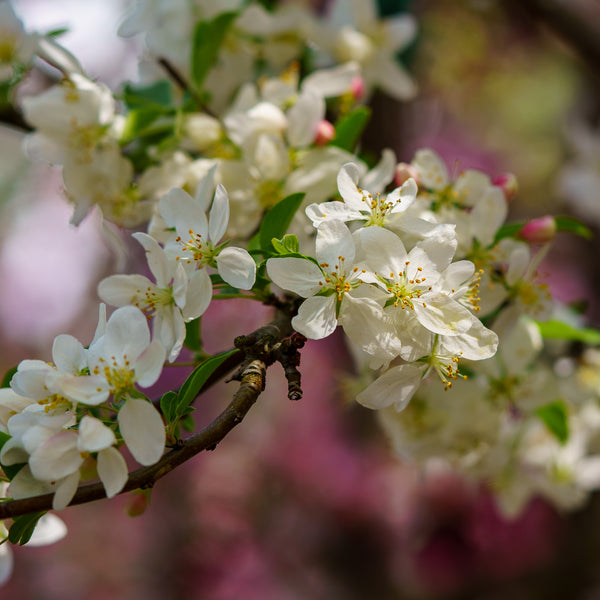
(219,215)
(143,430)
(6,563)
(148,365)
(127,333)
(395,387)
(88,389)
(68,354)
(49,530)
(304,118)
(56,458)
(385,252)
(316,317)
(160,266)
(347,181)
(125,290)
(379,176)
(198,296)
(65,490)
(432,170)
(318,213)
(112,471)
(440,314)
(237,267)
(297,275)
(334,240)
(94,435)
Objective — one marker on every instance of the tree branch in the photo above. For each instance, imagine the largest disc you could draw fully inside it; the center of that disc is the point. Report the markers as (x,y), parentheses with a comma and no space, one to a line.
(568,21)
(260,350)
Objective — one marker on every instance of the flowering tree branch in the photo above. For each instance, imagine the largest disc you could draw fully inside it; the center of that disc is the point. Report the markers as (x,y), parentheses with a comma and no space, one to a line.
(261,348)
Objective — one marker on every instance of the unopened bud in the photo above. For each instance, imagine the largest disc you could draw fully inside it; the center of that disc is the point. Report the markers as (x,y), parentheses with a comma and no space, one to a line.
(325,133)
(357,87)
(507,182)
(405,171)
(138,503)
(539,231)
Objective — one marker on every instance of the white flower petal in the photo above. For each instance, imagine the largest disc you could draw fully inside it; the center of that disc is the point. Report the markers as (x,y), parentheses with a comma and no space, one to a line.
(297,275)
(347,181)
(143,430)
(94,435)
(334,240)
(316,317)
(198,296)
(395,387)
(219,215)
(68,354)
(65,490)
(237,267)
(148,365)
(49,530)
(112,470)
(160,266)
(56,458)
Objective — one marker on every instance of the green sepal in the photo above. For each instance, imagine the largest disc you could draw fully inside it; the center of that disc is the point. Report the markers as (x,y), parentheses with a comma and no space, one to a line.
(21,530)
(554,416)
(206,44)
(276,222)
(348,129)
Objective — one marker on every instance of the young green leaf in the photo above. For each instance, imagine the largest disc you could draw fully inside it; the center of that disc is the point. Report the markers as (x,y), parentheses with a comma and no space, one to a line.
(158,94)
(7,377)
(21,530)
(554,416)
(349,129)
(287,245)
(276,222)
(194,383)
(558,330)
(572,225)
(193,337)
(206,44)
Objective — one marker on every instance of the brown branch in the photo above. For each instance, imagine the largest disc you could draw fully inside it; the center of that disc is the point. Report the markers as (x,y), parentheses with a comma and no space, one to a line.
(259,348)
(581,31)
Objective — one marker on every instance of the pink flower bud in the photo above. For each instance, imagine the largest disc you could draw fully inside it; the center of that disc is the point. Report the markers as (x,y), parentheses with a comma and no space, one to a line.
(405,171)
(539,231)
(507,182)
(138,503)
(357,87)
(325,133)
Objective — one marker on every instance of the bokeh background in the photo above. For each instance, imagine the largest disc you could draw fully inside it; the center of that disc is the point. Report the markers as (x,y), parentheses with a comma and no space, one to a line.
(304,500)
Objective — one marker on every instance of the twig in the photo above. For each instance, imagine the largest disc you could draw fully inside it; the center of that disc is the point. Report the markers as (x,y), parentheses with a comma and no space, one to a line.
(569,22)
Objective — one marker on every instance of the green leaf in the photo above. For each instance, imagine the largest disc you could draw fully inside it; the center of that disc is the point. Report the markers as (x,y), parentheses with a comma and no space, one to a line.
(508,230)
(193,337)
(158,94)
(168,406)
(21,530)
(287,245)
(276,222)
(9,470)
(573,226)
(7,377)
(145,121)
(554,416)
(349,129)
(193,384)
(206,44)
(559,330)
